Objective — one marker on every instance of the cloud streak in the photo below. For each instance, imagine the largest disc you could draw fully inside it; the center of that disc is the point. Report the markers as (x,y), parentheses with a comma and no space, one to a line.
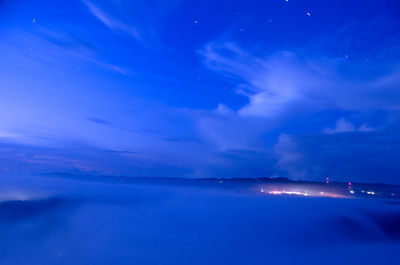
(112,23)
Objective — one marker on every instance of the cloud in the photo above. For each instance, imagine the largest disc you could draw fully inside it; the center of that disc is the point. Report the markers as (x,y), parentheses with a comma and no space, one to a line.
(285,83)
(224,110)
(7,134)
(355,156)
(237,163)
(365,128)
(288,97)
(49,46)
(290,158)
(225,130)
(112,23)
(300,92)
(342,125)
(99,121)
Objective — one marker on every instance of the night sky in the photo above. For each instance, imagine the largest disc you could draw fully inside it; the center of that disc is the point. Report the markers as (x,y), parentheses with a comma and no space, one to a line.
(299,89)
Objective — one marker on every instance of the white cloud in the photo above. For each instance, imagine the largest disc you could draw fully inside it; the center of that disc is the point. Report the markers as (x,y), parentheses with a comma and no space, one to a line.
(343,125)
(284,83)
(224,110)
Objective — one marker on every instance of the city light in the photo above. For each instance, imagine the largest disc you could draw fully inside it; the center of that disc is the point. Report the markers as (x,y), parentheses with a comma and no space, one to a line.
(279,192)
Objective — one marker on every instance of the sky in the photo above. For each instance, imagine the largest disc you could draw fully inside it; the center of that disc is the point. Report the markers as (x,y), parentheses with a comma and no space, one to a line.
(280,88)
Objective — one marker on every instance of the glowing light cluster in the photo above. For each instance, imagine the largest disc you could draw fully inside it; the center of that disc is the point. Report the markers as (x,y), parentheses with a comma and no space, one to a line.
(280,192)
(368,192)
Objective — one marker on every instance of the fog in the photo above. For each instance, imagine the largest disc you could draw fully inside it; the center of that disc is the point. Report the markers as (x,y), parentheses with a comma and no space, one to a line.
(51,220)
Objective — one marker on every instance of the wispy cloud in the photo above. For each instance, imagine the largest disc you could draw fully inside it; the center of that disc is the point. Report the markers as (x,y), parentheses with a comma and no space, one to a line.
(283,82)
(7,135)
(64,46)
(111,22)
(99,121)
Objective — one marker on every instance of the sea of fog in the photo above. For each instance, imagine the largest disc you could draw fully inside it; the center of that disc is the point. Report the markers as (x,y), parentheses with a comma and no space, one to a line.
(49,221)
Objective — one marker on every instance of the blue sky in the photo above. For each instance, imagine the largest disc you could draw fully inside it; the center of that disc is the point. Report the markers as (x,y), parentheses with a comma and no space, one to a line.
(299,89)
